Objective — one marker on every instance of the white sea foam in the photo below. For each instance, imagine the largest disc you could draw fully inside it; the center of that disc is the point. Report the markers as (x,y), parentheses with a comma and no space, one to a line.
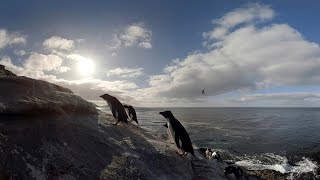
(278,163)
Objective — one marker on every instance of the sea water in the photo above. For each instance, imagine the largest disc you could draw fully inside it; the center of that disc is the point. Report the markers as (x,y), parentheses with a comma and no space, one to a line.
(258,138)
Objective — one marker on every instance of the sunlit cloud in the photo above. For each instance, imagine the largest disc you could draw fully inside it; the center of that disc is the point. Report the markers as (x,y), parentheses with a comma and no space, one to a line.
(251,14)
(135,35)
(58,43)
(43,62)
(246,57)
(297,97)
(7,38)
(125,72)
(20,52)
(89,88)
(85,66)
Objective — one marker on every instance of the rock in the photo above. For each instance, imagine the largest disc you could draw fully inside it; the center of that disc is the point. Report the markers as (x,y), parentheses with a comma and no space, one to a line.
(267,174)
(47,132)
(25,96)
(4,72)
(85,147)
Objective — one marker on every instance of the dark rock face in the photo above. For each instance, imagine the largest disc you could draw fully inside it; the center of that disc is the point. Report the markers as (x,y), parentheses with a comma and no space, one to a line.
(47,132)
(79,147)
(267,174)
(4,72)
(25,96)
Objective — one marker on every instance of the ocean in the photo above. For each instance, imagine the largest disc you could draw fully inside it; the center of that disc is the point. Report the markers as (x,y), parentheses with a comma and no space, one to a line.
(257,138)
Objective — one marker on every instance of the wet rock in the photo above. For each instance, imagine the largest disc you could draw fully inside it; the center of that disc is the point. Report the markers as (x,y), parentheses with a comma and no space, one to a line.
(267,174)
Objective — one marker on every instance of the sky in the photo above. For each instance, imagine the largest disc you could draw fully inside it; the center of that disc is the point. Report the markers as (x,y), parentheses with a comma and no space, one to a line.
(164,53)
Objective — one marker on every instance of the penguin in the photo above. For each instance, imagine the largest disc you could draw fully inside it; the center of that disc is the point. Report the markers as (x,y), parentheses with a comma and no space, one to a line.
(177,133)
(202,92)
(131,113)
(209,154)
(116,108)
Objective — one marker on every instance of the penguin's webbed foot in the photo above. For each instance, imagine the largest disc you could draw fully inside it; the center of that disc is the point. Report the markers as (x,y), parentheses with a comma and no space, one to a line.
(182,154)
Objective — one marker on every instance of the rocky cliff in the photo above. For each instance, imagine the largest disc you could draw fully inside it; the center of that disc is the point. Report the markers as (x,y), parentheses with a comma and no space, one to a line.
(26,96)
(47,132)
(4,72)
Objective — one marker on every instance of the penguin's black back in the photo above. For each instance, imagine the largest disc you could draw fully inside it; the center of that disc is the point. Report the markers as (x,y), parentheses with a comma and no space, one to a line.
(186,143)
(134,114)
(117,107)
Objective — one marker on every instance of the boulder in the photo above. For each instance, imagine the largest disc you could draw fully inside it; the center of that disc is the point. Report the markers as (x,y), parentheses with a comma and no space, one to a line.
(25,96)
(4,72)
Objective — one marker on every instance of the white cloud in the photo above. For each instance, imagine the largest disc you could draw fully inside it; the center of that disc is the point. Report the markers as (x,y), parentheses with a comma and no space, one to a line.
(20,52)
(22,71)
(10,38)
(276,97)
(135,35)
(89,89)
(246,58)
(43,62)
(125,72)
(6,61)
(75,57)
(85,65)
(58,43)
(63,69)
(250,14)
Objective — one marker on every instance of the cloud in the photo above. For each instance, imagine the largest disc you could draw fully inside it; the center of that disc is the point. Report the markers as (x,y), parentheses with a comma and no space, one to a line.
(6,61)
(250,14)
(125,72)
(7,38)
(58,43)
(36,66)
(23,71)
(75,57)
(20,52)
(274,97)
(43,62)
(135,35)
(246,57)
(89,89)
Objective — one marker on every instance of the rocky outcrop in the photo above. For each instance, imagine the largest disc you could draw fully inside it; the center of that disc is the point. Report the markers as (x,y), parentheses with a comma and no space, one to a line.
(4,72)
(85,147)
(47,132)
(25,96)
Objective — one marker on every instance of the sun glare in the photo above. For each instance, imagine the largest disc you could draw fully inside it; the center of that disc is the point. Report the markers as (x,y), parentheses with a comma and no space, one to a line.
(85,67)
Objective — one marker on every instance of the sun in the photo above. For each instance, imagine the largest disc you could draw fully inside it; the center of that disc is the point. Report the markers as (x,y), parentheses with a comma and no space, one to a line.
(85,66)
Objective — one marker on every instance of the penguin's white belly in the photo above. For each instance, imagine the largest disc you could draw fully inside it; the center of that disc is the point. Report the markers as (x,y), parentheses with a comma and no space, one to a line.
(110,105)
(127,111)
(171,133)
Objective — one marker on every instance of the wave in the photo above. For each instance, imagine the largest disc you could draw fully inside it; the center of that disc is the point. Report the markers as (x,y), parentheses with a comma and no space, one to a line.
(278,163)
